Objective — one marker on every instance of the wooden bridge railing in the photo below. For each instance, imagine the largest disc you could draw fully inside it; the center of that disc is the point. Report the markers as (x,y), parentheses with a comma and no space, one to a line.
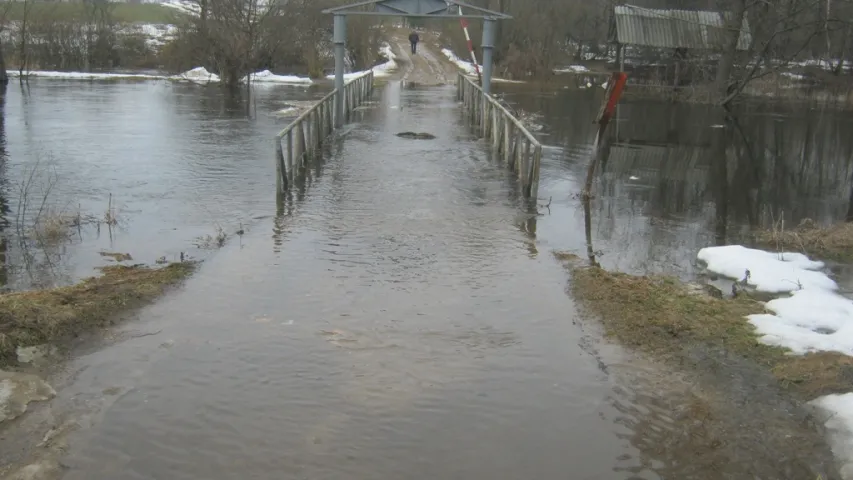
(303,137)
(514,144)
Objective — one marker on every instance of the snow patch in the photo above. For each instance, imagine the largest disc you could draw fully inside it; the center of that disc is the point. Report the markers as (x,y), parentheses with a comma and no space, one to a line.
(572,69)
(810,320)
(84,75)
(813,318)
(768,272)
(381,70)
(183,6)
(267,76)
(385,69)
(466,67)
(197,75)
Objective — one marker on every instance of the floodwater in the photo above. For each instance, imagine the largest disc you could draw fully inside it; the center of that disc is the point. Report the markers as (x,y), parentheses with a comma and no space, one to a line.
(666,187)
(176,162)
(396,317)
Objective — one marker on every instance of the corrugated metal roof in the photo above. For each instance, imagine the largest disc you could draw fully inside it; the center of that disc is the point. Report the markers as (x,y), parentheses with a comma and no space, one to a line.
(693,29)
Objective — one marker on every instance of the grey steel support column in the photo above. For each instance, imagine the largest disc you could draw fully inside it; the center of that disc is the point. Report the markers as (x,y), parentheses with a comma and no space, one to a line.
(340,39)
(488,46)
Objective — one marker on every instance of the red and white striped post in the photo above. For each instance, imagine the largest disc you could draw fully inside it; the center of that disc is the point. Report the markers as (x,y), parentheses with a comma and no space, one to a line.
(464,24)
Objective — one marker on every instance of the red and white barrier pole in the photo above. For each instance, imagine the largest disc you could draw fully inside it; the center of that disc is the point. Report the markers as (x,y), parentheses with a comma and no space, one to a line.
(464,24)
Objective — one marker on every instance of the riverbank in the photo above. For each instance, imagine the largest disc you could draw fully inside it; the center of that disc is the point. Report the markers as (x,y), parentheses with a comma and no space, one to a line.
(833,242)
(793,350)
(38,317)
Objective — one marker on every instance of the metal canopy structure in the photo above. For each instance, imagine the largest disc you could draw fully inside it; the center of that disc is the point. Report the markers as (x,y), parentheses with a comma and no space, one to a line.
(417,8)
(689,29)
(410,9)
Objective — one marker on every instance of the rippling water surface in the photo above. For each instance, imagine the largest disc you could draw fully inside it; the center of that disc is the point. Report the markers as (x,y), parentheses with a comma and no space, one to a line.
(399,316)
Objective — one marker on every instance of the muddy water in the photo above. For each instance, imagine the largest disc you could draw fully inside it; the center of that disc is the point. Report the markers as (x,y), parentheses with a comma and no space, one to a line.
(179,161)
(394,322)
(396,317)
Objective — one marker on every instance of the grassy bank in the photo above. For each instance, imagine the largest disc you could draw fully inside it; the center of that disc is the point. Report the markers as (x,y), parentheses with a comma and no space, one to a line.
(121,12)
(41,316)
(834,242)
(662,317)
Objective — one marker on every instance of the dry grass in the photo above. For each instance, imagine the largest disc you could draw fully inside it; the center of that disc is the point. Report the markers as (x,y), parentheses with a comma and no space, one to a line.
(660,316)
(37,317)
(834,242)
(210,242)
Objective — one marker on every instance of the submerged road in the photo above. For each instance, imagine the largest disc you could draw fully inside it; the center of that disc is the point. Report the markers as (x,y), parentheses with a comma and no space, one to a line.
(396,319)
(396,322)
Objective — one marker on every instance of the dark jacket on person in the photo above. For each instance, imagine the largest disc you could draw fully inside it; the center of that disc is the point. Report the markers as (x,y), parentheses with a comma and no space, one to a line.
(414,38)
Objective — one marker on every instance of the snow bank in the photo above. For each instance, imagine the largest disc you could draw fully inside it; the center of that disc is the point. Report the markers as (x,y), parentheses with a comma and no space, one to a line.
(813,318)
(389,66)
(85,75)
(348,76)
(466,67)
(768,272)
(381,70)
(839,409)
(572,69)
(267,76)
(197,75)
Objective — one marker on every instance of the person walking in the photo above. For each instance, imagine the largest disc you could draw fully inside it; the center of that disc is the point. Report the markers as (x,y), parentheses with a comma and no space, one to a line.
(414,39)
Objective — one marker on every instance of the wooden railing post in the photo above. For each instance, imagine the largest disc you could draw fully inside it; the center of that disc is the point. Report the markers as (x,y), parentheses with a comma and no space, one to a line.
(312,127)
(512,143)
(290,156)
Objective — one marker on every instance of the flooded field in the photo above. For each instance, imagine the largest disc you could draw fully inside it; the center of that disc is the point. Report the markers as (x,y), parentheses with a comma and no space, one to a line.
(667,187)
(176,163)
(400,315)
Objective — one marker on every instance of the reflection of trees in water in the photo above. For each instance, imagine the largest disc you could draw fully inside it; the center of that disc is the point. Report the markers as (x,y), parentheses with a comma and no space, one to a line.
(4,203)
(797,163)
(791,159)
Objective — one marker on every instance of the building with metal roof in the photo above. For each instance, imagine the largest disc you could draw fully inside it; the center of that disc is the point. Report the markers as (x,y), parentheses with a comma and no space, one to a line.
(673,29)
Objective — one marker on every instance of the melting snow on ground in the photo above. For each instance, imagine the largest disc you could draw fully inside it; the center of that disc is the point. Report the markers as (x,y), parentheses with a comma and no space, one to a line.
(389,66)
(768,272)
(572,69)
(812,317)
(85,75)
(267,76)
(381,70)
(466,67)
(197,75)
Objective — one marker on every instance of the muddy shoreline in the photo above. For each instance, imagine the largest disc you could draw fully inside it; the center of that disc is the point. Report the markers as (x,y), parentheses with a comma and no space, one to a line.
(747,405)
(38,328)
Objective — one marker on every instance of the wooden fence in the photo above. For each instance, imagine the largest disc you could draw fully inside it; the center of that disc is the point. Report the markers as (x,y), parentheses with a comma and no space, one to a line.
(517,148)
(303,138)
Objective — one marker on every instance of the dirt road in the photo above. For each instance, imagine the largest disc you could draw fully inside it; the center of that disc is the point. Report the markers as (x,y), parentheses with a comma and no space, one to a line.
(428,66)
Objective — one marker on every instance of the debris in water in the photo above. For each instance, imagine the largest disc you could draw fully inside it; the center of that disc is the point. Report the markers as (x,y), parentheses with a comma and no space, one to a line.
(34,353)
(416,136)
(118,257)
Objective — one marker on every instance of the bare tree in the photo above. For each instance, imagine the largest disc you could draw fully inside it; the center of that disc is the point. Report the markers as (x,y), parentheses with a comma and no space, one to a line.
(24,35)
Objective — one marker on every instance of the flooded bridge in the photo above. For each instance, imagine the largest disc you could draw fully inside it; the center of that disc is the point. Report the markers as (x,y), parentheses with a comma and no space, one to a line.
(397,313)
